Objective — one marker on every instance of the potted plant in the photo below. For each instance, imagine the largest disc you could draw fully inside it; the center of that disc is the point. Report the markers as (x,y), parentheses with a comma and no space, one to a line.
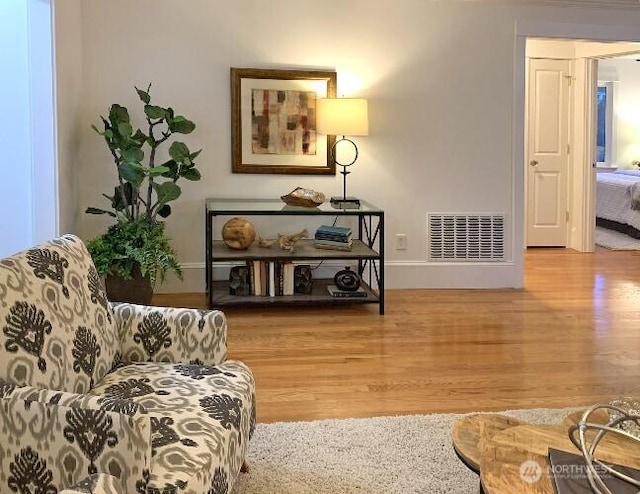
(135,251)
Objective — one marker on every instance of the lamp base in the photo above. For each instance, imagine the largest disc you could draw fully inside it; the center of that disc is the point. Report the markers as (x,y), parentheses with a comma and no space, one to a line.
(345,202)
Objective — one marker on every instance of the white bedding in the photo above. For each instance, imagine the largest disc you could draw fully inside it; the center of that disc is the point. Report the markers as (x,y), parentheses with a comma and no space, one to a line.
(617,194)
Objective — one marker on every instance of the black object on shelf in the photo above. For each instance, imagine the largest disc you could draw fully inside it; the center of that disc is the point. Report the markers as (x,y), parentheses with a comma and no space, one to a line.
(347,280)
(302,279)
(239,281)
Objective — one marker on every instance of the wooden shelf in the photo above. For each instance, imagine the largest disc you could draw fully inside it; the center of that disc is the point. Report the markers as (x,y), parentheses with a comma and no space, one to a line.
(320,294)
(305,249)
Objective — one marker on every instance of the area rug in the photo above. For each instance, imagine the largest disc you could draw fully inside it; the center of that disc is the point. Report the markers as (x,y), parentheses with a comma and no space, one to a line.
(610,239)
(390,455)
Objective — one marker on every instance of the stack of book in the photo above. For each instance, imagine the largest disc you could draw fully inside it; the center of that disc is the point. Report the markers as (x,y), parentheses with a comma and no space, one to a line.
(333,237)
(271,278)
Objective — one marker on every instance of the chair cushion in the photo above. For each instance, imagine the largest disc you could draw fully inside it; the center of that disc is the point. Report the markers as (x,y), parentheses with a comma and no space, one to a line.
(201,419)
(57,326)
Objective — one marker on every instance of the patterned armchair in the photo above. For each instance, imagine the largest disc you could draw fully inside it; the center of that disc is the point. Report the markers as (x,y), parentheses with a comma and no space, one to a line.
(112,398)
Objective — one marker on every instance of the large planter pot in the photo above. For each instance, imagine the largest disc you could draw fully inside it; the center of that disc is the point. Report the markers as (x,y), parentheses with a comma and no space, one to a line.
(136,291)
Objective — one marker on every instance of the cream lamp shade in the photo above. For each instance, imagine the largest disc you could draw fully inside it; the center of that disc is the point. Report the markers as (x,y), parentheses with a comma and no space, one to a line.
(343,116)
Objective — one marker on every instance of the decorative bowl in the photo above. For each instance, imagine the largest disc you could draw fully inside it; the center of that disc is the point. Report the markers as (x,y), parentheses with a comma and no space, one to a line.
(307,198)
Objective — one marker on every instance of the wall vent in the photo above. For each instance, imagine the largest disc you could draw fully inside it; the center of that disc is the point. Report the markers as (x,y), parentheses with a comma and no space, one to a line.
(453,237)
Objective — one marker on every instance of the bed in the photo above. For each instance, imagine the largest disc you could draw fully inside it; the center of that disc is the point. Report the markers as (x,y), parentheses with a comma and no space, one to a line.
(618,201)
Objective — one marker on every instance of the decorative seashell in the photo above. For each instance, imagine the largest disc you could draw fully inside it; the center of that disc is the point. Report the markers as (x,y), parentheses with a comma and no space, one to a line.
(303,197)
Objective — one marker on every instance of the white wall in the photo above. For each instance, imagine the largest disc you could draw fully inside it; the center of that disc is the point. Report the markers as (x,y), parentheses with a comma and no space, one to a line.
(439,77)
(626,112)
(68,68)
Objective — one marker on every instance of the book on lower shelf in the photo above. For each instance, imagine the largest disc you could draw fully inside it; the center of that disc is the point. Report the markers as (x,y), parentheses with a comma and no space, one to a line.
(334,291)
(271,278)
(569,474)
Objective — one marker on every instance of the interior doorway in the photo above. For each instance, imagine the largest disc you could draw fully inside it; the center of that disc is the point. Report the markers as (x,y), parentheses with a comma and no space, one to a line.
(577,62)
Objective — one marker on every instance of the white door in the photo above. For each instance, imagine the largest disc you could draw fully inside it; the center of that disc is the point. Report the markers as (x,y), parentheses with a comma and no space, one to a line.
(548,152)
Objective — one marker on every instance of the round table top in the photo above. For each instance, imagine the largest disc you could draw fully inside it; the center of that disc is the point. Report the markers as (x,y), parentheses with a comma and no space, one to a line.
(468,432)
(496,446)
(504,453)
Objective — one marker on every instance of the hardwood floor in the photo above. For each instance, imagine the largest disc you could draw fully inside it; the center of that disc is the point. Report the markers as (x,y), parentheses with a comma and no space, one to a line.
(571,337)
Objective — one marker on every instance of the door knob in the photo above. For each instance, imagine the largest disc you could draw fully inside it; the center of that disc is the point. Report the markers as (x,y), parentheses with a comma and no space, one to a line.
(533,163)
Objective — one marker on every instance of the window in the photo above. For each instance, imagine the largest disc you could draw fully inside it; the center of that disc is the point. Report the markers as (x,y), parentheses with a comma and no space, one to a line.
(604,124)
(29,186)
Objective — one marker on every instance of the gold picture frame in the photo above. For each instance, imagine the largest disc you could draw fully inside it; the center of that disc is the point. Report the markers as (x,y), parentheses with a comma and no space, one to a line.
(273,121)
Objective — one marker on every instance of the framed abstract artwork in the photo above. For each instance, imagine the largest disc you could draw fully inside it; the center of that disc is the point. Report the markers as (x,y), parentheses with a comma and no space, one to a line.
(273,121)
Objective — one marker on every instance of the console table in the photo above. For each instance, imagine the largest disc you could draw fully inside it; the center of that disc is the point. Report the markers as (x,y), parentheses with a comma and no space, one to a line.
(367,250)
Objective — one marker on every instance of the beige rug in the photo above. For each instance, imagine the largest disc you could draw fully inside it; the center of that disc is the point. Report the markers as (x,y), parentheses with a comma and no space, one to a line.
(386,455)
(613,240)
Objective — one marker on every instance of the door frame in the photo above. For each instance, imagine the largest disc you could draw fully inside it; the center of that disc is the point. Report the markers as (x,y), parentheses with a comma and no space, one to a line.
(585,187)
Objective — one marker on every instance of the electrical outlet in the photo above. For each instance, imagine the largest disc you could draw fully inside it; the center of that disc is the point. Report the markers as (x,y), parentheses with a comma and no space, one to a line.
(401,241)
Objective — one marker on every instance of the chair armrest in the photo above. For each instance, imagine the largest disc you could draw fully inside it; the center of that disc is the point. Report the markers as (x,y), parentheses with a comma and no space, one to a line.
(86,434)
(99,483)
(167,334)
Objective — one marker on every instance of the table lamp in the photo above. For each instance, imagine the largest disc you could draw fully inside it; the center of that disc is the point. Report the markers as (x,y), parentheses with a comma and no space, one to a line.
(345,117)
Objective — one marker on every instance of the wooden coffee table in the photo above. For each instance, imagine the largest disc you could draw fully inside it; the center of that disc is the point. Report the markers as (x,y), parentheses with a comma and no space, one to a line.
(496,446)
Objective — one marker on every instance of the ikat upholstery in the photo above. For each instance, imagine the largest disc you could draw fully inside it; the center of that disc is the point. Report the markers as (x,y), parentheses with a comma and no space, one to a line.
(112,398)
(99,483)
(56,320)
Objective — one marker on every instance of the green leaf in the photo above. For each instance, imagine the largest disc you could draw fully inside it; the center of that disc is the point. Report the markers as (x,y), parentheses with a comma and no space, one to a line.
(125,129)
(191,174)
(140,137)
(157,171)
(154,112)
(99,211)
(178,151)
(131,173)
(128,244)
(108,134)
(118,114)
(167,191)
(164,211)
(132,155)
(172,169)
(181,125)
(143,95)
(193,156)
